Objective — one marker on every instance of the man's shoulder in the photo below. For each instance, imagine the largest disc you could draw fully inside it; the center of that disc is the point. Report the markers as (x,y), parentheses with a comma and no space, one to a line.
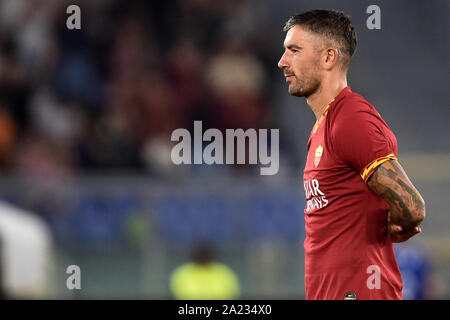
(351,109)
(352,115)
(352,102)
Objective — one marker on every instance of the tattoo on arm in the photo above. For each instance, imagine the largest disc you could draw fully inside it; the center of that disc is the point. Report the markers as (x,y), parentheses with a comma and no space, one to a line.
(390,182)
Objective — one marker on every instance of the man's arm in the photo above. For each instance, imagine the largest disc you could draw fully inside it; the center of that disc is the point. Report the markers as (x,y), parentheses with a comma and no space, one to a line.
(407,207)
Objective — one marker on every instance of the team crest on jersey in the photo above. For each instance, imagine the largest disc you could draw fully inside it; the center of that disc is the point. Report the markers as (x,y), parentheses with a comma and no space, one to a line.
(318,155)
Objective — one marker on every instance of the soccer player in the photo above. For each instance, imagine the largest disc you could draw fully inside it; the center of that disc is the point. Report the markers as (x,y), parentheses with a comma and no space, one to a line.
(204,278)
(359,199)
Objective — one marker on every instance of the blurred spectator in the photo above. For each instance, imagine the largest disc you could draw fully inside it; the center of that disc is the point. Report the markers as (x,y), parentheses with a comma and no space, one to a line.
(203,278)
(236,79)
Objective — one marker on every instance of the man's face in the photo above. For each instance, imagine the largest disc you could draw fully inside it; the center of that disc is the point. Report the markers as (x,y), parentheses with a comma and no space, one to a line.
(300,62)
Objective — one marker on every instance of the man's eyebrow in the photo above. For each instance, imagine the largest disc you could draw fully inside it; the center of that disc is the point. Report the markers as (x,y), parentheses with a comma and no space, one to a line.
(293,46)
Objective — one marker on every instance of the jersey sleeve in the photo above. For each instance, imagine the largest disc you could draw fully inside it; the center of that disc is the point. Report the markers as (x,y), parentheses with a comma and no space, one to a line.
(362,139)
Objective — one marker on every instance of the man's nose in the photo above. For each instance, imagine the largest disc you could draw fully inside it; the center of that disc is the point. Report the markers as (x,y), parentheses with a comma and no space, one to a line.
(282,63)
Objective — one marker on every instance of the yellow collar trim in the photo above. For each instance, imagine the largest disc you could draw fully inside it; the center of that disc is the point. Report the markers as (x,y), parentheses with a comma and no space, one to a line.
(324,113)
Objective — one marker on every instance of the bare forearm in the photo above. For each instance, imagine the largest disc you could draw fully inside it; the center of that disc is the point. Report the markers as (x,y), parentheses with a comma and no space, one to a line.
(406,205)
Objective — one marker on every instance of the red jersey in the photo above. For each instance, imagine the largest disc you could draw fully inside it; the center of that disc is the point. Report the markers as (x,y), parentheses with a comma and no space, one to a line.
(348,249)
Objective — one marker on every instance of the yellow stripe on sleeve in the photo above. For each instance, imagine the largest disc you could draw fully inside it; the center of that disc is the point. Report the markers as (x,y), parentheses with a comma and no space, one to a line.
(370,168)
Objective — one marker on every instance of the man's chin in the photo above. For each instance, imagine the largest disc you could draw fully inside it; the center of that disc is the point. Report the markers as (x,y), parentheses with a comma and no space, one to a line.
(296,92)
(304,92)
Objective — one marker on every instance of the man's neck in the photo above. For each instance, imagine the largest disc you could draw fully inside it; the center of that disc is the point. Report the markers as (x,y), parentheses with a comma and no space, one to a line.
(328,91)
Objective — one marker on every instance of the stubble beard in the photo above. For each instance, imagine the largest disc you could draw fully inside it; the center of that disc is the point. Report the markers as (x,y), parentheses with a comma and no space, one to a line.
(308,84)
(305,89)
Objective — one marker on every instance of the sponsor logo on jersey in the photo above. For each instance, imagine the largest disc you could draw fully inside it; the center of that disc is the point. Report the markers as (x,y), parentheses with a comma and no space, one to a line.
(315,197)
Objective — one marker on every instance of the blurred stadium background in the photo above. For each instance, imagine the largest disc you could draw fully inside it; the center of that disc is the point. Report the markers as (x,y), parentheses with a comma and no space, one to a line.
(85,123)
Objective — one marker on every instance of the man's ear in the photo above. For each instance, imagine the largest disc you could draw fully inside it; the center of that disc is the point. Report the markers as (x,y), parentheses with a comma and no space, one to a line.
(330,58)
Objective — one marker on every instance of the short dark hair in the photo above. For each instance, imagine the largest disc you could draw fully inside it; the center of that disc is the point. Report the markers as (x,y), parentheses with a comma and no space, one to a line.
(333,24)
